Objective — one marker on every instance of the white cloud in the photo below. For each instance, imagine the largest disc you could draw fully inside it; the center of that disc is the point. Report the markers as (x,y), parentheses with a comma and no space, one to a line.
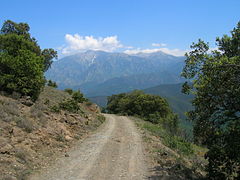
(159,44)
(77,43)
(174,52)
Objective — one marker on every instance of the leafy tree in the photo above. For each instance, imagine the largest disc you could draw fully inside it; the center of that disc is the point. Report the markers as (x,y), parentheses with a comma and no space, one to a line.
(22,62)
(149,107)
(49,55)
(216,116)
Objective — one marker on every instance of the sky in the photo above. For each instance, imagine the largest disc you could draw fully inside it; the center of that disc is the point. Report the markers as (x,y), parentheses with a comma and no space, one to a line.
(129,26)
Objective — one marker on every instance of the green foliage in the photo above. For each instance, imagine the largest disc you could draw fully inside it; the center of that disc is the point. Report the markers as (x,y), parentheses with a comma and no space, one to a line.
(138,103)
(149,107)
(78,96)
(101,118)
(22,73)
(103,110)
(172,141)
(22,63)
(49,55)
(52,84)
(216,115)
(69,91)
(69,105)
(55,108)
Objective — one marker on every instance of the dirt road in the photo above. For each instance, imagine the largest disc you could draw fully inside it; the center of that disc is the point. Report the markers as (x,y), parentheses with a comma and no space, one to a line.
(113,152)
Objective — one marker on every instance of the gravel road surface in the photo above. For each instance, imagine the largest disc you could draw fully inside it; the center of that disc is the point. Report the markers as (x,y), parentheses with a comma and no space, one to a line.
(113,152)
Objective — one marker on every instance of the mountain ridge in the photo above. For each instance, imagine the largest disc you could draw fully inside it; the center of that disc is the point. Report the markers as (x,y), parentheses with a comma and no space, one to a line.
(96,67)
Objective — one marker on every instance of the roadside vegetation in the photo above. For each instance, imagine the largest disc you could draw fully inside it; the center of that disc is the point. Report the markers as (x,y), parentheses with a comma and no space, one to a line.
(149,107)
(154,116)
(171,157)
(214,78)
(38,122)
(22,61)
(216,115)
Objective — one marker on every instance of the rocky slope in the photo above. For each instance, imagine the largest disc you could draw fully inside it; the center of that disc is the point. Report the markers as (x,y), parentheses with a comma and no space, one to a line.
(32,136)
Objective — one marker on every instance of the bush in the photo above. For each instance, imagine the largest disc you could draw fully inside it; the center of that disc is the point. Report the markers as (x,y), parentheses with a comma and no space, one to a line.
(138,103)
(78,97)
(170,140)
(55,108)
(52,84)
(25,123)
(178,143)
(69,91)
(69,105)
(101,118)
(148,107)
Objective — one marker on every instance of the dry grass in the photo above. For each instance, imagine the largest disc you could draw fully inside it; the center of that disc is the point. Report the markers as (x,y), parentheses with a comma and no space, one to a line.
(8,109)
(25,123)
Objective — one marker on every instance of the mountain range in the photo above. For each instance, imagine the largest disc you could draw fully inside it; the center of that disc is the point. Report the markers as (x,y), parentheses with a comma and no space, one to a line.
(99,73)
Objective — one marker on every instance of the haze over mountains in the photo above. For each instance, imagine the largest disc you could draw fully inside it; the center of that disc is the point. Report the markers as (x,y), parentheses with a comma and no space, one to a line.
(99,73)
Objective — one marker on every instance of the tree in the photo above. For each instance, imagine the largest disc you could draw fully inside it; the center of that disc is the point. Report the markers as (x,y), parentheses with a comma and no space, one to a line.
(22,62)
(49,55)
(216,117)
(149,107)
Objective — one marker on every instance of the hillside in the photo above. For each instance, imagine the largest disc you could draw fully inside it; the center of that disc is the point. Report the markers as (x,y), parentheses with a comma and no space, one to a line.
(179,102)
(94,70)
(33,135)
(128,83)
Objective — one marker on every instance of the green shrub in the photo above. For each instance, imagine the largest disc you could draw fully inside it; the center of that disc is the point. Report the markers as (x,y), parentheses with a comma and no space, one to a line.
(60,138)
(101,118)
(148,107)
(178,143)
(103,110)
(154,118)
(52,84)
(170,140)
(138,103)
(69,91)
(69,105)
(55,108)
(78,96)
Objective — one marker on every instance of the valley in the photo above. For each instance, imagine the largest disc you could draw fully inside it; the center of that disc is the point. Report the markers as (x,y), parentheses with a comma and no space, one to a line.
(100,74)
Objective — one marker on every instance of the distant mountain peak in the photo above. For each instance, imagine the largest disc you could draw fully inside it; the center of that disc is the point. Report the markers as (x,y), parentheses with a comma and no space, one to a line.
(99,66)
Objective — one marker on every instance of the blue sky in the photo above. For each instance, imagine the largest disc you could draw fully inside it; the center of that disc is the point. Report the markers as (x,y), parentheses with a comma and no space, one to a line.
(123,25)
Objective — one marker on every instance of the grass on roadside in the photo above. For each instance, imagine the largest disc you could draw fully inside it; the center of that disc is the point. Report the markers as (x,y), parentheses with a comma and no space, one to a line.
(171,151)
(177,143)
